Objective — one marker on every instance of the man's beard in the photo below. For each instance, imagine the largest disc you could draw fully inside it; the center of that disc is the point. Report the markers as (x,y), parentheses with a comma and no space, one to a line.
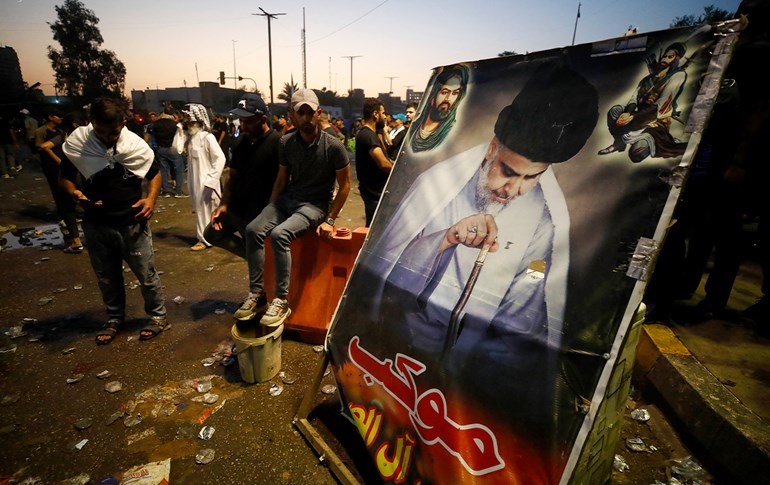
(439,114)
(380,124)
(307,128)
(194,129)
(483,196)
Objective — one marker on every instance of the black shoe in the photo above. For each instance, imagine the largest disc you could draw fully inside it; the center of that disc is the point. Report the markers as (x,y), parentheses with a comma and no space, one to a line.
(758,312)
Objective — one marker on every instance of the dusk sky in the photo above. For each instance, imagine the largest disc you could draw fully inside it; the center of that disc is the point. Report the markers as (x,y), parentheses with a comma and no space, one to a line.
(167,43)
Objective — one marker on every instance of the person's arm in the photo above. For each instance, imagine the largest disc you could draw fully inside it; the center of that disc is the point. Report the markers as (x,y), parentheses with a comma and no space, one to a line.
(227,193)
(146,205)
(383,162)
(343,189)
(280,182)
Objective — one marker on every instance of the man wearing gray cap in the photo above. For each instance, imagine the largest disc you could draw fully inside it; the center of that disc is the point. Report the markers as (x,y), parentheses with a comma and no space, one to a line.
(310,162)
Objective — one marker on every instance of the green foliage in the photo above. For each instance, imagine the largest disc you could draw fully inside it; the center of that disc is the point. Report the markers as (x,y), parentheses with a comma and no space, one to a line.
(710,14)
(82,67)
(288,91)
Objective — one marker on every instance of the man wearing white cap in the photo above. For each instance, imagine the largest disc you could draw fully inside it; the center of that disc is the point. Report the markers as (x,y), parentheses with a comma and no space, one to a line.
(310,162)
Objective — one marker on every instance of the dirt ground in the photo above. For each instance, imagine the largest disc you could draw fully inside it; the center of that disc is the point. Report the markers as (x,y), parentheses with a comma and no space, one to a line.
(51,370)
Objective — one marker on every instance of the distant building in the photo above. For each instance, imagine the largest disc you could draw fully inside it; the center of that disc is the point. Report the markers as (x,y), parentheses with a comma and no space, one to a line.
(210,94)
(413,96)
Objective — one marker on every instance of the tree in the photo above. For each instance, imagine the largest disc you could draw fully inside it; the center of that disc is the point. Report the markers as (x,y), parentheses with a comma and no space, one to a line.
(507,53)
(288,90)
(710,14)
(82,68)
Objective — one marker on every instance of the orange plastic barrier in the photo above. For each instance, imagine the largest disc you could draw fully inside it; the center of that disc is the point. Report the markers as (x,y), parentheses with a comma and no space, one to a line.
(319,271)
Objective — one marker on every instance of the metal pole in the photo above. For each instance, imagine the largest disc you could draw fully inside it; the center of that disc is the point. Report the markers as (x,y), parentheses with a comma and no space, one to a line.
(351,72)
(576,22)
(235,72)
(269,16)
(391,82)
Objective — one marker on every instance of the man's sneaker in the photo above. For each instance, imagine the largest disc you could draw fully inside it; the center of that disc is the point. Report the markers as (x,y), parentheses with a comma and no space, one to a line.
(276,313)
(6,176)
(165,195)
(18,168)
(251,306)
(182,195)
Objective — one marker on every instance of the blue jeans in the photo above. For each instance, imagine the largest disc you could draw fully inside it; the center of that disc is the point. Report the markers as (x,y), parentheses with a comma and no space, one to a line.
(108,247)
(169,159)
(284,221)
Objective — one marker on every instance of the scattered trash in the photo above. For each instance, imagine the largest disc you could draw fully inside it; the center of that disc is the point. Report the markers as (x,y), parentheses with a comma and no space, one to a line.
(327,371)
(208,361)
(15,332)
(80,444)
(133,285)
(329,389)
(45,300)
(8,348)
(131,439)
(113,387)
(60,290)
(179,300)
(82,479)
(83,423)
(34,337)
(210,268)
(637,445)
(149,473)
(228,361)
(287,379)
(68,351)
(220,311)
(203,386)
(619,464)
(688,468)
(75,378)
(210,398)
(78,286)
(29,320)
(206,433)
(104,374)
(318,348)
(275,390)
(204,457)
(640,414)
(113,417)
(9,399)
(46,258)
(132,420)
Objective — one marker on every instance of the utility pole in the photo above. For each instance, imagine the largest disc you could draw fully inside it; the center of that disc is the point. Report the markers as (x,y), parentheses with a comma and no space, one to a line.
(235,72)
(269,16)
(576,21)
(351,72)
(391,82)
(304,52)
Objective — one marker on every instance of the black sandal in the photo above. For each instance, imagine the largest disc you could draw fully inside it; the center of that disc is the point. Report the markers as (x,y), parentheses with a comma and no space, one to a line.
(154,328)
(107,335)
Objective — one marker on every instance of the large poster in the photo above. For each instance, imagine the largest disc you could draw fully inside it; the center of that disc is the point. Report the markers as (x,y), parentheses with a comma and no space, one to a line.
(476,334)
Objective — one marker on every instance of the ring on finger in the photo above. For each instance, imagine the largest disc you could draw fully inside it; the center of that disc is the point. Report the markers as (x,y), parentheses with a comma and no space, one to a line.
(474,229)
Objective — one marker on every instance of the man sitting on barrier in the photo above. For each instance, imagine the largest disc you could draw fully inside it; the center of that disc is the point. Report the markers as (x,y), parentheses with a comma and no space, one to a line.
(310,161)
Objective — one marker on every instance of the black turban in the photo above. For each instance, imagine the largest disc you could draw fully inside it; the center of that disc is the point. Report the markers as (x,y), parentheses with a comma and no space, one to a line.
(552,116)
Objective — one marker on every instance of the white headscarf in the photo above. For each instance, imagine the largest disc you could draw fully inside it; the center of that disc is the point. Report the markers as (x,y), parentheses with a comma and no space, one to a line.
(89,155)
(198,112)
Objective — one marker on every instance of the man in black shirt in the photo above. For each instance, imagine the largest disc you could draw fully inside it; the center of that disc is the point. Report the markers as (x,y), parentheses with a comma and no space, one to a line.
(103,170)
(372,163)
(253,169)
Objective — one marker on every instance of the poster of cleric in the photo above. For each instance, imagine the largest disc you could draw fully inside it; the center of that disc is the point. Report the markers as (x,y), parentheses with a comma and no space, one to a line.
(479,326)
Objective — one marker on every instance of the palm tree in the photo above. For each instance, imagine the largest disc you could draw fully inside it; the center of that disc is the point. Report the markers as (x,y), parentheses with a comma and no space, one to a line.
(288,90)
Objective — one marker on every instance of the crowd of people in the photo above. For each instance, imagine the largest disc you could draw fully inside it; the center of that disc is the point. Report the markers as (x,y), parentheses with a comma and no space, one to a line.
(285,175)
